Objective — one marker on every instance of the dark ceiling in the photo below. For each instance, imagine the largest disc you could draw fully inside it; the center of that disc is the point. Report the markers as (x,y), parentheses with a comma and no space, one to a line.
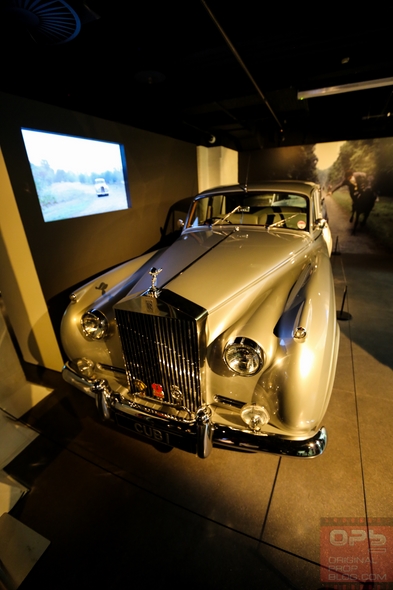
(166,67)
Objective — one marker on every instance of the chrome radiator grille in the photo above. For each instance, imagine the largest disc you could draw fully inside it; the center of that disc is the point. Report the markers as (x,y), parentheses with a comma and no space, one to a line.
(161,351)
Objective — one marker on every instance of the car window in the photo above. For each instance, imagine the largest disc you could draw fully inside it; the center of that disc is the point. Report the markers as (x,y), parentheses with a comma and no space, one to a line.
(267,209)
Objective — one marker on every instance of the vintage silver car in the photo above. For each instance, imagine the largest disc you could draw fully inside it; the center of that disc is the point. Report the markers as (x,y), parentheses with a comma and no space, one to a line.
(101,187)
(228,337)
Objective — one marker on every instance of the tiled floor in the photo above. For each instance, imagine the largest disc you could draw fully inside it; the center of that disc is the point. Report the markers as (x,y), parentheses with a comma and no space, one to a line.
(119,513)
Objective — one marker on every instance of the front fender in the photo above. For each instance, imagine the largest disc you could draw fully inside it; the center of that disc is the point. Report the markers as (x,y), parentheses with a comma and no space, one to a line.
(303,371)
(118,283)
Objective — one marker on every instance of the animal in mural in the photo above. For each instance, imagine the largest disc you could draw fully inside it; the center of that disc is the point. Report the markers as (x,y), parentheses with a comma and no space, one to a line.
(363,205)
(362,194)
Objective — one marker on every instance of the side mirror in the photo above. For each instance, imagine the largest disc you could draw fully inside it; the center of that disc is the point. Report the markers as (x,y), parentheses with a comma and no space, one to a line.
(320,223)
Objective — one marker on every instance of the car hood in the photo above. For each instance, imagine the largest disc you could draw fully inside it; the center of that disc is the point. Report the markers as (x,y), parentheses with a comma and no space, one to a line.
(210,266)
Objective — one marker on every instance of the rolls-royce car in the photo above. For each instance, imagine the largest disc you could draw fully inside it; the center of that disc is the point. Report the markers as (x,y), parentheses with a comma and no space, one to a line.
(226,338)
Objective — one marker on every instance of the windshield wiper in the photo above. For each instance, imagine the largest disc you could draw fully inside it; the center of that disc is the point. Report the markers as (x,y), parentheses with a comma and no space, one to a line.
(226,216)
(278,223)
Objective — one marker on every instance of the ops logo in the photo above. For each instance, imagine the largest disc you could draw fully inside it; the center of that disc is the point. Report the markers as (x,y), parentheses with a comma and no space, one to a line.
(354,551)
(340,537)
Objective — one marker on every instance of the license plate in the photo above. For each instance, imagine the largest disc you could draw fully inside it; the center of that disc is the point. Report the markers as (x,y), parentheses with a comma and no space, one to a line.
(154,434)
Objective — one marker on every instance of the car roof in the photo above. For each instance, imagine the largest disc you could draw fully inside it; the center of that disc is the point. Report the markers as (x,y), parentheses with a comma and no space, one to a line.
(296,186)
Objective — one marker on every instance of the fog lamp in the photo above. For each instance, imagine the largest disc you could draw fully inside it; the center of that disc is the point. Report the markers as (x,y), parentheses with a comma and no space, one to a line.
(255,416)
(243,356)
(86,367)
(94,325)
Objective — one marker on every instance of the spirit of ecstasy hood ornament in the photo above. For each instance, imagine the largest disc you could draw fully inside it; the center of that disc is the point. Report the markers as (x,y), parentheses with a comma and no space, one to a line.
(153,291)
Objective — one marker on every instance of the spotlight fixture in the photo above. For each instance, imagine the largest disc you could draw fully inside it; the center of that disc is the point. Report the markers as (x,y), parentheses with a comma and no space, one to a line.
(149,77)
(366,85)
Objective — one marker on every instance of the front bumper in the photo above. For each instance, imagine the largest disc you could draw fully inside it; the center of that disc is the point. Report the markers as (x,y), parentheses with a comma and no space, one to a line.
(169,426)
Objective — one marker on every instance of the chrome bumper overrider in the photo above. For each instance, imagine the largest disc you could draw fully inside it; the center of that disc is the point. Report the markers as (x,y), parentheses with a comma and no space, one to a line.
(163,426)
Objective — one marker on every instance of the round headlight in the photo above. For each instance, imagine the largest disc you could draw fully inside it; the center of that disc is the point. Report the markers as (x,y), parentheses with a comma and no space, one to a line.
(243,356)
(94,325)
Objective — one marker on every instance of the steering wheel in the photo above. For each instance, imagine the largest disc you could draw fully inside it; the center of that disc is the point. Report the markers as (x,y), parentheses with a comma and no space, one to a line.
(282,217)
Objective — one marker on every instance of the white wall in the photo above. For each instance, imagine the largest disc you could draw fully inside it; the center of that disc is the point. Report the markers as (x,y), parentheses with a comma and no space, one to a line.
(20,286)
(217,166)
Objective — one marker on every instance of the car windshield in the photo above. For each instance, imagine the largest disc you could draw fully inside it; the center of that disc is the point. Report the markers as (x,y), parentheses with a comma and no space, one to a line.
(267,209)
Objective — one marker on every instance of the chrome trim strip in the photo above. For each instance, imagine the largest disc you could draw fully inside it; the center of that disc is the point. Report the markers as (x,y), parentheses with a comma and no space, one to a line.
(226,401)
(161,413)
(111,368)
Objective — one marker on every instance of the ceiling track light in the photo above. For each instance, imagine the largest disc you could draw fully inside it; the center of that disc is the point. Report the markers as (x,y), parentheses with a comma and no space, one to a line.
(329,90)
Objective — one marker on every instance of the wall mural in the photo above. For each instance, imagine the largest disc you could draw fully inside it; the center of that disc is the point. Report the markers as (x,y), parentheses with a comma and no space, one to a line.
(357,176)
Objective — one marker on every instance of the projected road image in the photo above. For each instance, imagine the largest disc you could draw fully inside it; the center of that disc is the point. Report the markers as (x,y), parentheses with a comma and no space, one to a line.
(75,176)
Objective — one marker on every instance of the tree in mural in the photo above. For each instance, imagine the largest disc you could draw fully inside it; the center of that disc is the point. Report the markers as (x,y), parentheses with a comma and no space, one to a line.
(305,164)
(354,156)
(374,157)
(291,163)
(384,165)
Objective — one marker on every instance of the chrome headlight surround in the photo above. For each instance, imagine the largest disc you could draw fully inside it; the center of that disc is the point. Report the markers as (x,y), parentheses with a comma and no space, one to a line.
(95,325)
(243,356)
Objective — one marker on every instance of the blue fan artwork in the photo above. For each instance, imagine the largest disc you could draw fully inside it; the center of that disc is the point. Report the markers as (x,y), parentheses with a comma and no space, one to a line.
(47,21)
